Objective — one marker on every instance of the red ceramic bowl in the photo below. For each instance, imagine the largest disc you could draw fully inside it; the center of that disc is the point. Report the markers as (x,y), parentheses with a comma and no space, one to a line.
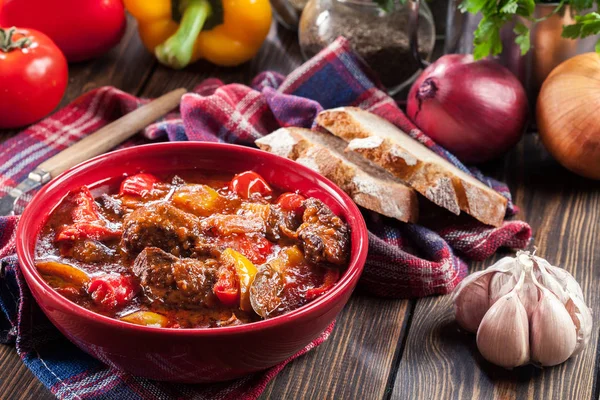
(191,355)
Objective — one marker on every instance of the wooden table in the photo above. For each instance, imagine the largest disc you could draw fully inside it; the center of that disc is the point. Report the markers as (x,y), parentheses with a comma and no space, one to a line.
(399,349)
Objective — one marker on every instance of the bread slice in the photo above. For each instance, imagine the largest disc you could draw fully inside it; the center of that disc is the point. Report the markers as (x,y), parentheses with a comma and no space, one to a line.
(429,174)
(368,185)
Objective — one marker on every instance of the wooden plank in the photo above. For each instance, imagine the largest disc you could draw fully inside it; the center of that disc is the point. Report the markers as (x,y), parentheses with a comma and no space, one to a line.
(127,67)
(16,380)
(442,362)
(356,361)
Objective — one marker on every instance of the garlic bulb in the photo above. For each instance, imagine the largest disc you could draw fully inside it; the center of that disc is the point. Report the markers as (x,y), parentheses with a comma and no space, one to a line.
(524,310)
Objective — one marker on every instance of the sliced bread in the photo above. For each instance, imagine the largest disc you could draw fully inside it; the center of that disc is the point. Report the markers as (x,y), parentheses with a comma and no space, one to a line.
(368,185)
(431,175)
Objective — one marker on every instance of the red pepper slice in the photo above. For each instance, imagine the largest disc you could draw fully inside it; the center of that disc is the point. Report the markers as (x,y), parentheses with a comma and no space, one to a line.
(87,223)
(254,248)
(85,209)
(291,202)
(88,230)
(331,277)
(138,185)
(112,290)
(227,288)
(249,182)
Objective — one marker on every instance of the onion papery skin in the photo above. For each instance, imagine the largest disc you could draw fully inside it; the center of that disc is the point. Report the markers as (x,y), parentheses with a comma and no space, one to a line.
(568,114)
(475,109)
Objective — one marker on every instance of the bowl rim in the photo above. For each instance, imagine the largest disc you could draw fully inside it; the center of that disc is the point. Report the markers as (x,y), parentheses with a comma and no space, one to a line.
(348,280)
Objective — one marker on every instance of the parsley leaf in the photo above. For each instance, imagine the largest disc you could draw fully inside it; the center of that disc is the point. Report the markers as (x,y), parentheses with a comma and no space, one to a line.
(584,26)
(580,5)
(473,6)
(487,38)
(510,7)
(523,38)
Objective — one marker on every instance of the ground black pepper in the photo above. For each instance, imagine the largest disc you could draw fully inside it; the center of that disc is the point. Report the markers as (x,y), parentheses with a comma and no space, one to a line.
(380,38)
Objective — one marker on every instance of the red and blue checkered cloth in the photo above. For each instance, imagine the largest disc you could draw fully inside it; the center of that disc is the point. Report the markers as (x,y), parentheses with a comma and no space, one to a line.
(404,260)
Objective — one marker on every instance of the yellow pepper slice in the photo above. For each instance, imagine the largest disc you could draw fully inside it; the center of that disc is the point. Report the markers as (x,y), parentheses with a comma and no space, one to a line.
(147,318)
(201,200)
(236,40)
(287,257)
(245,270)
(60,275)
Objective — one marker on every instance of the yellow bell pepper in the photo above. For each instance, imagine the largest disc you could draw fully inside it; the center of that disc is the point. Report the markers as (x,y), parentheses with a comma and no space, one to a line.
(245,270)
(147,318)
(245,25)
(60,275)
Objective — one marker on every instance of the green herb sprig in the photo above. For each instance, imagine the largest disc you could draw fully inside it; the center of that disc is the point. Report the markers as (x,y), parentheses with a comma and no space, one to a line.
(496,13)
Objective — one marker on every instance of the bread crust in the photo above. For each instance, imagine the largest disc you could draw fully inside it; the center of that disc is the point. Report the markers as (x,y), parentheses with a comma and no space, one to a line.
(375,190)
(429,174)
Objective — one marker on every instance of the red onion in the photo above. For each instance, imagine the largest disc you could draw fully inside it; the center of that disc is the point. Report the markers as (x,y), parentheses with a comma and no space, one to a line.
(475,109)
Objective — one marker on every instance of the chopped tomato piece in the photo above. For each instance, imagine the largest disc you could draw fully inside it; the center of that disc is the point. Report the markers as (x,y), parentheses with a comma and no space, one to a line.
(227,288)
(138,185)
(249,182)
(291,202)
(112,290)
(331,277)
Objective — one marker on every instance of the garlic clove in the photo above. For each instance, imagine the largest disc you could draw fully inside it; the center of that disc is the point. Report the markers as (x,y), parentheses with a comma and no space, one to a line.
(561,283)
(581,316)
(563,277)
(528,294)
(471,296)
(553,334)
(502,283)
(471,302)
(503,335)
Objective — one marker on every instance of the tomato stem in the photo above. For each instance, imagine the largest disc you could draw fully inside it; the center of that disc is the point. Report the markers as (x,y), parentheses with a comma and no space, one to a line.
(177,50)
(7,42)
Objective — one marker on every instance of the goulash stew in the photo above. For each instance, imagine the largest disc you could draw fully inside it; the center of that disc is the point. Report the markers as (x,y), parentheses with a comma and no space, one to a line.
(197,252)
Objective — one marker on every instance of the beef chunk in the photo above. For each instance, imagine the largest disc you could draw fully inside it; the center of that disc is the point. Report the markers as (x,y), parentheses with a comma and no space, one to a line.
(160,225)
(112,206)
(324,236)
(281,224)
(228,224)
(174,282)
(88,251)
(277,223)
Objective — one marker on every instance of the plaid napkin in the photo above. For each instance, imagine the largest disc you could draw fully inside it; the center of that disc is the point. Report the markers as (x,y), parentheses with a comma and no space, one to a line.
(404,260)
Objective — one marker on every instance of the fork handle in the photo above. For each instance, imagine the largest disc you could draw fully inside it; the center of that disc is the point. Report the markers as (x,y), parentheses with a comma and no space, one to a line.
(110,135)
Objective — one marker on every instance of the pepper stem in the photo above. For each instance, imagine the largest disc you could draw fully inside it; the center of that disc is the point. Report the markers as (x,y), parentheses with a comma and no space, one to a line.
(7,42)
(177,51)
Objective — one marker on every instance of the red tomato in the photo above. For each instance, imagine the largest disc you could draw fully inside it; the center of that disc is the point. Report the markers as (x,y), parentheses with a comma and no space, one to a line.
(81,29)
(112,291)
(138,185)
(291,202)
(248,183)
(227,288)
(33,76)
(331,277)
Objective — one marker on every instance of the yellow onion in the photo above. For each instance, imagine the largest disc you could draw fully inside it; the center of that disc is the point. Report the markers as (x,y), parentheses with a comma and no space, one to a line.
(568,117)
